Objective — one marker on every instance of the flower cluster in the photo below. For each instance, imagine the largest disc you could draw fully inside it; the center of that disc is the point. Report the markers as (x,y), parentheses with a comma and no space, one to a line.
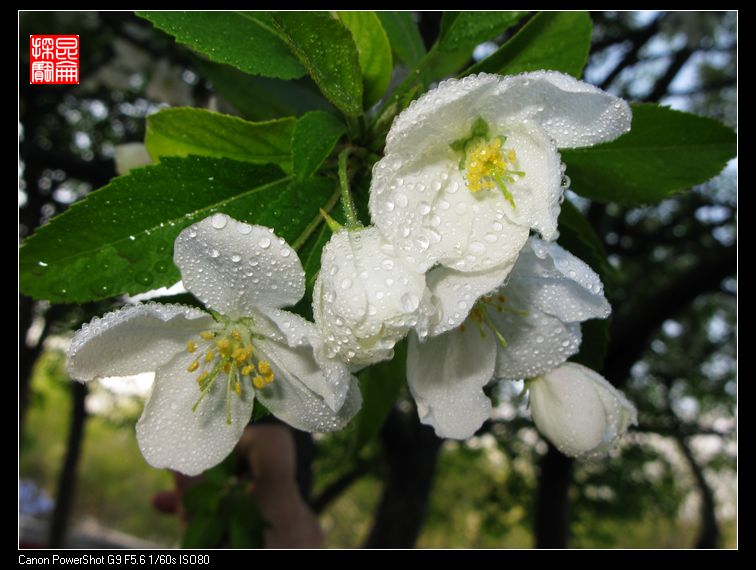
(461,259)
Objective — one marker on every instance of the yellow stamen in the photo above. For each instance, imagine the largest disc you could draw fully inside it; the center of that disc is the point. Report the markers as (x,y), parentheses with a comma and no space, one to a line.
(258,382)
(224,346)
(236,334)
(208,335)
(209,356)
(193,366)
(191,346)
(247,370)
(202,377)
(269,378)
(227,367)
(264,367)
(237,387)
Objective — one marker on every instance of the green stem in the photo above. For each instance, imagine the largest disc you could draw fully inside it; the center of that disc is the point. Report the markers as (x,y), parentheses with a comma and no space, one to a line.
(350,211)
(315,222)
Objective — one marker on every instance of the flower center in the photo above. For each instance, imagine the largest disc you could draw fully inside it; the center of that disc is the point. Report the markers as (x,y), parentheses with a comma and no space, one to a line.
(486,162)
(228,352)
(482,320)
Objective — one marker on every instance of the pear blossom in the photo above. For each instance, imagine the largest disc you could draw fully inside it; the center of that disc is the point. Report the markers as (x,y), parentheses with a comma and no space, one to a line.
(578,411)
(210,365)
(128,156)
(366,297)
(472,166)
(485,329)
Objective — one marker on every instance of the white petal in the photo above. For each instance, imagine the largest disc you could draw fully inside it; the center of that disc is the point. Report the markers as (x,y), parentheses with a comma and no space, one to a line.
(171,435)
(234,267)
(437,118)
(366,297)
(538,194)
(455,293)
(579,411)
(427,212)
(299,332)
(446,376)
(619,411)
(572,112)
(130,155)
(132,340)
(536,342)
(568,411)
(558,283)
(295,396)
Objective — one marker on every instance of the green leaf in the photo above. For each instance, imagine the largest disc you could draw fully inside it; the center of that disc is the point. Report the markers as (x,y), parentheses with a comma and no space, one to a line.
(665,152)
(263,98)
(468,29)
(182,131)
(246,525)
(120,238)
(259,411)
(242,39)
(328,52)
(374,52)
(380,385)
(204,530)
(315,136)
(578,237)
(404,36)
(443,64)
(203,497)
(551,40)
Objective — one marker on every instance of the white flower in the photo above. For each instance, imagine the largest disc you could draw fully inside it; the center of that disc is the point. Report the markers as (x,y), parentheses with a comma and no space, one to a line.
(471,166)
(520,330)
(578,411)
(366,298)
(210,366)
(130,155)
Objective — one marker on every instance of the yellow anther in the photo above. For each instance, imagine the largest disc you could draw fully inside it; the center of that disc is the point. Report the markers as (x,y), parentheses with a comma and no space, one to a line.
(247,370)
(486,167)
(208,335)
(193,366)
(224,346)
(269,378)
(238,354)
(209,356)
(237,387)
(227,367)
(202,377)
(236,334)
(258,382)
(191,346)
(264,367)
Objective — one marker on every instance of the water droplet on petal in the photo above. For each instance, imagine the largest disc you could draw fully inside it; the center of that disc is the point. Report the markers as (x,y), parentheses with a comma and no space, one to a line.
(219,221)
(264,242)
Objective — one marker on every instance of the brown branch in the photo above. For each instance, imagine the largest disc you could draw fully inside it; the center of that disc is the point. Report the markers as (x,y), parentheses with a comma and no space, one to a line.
(631,334)
(411,451)
(67,479)
(637,41)
(335,489)
(708,535)
(659,90)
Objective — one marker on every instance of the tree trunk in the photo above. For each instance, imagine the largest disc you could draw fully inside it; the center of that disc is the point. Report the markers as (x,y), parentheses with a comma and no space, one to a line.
(67,479)
(411,451)
(708,535)
(552,521)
